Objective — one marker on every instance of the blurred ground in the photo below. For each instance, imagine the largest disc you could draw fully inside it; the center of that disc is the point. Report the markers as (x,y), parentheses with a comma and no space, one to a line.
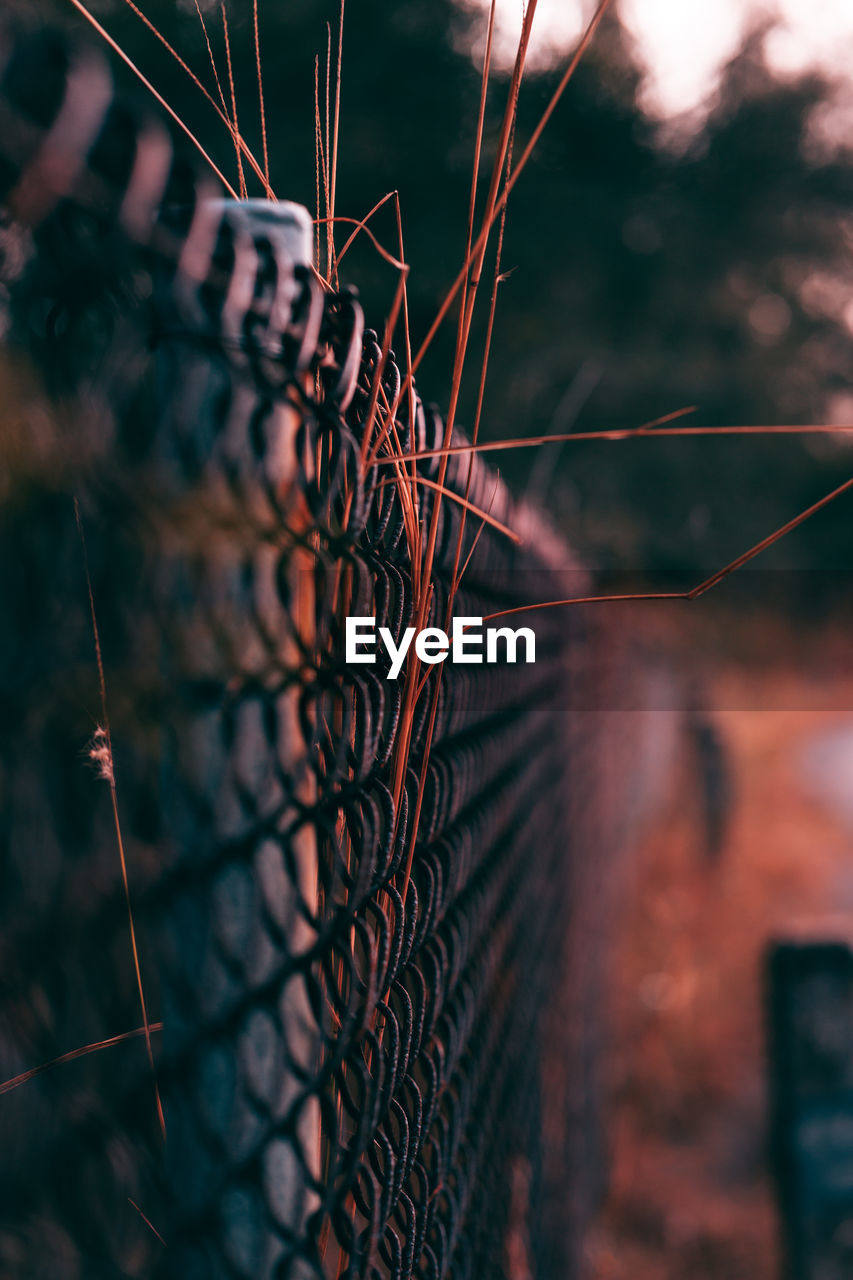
(691,1197)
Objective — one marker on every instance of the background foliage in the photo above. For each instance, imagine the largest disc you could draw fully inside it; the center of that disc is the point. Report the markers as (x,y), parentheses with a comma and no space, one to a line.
(646,273)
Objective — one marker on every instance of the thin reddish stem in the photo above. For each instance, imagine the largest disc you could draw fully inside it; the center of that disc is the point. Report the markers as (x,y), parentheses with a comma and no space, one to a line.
(117,49)
(16,1081)
(261,93)
(229,64)
(708,583)
(149,1224)
(111,780)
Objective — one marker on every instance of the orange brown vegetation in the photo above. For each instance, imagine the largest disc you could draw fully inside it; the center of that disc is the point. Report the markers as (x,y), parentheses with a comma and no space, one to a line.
(691,1193)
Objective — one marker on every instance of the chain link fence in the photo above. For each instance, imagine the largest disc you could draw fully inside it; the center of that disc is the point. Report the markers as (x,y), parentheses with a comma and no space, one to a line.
(371,927)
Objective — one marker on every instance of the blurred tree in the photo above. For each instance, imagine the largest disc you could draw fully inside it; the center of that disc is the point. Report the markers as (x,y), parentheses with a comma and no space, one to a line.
(712,273)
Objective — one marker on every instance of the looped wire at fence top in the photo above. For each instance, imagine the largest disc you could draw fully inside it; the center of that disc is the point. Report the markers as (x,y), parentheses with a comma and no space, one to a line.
(364,919)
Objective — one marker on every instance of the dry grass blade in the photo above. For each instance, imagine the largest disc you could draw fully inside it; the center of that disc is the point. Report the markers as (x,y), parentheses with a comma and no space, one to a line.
(493,301)
(261,92)
(601,599)
(360,225)
(379,372)
(16,1081)
(330,229)
(462,338)
(494,207)
(554,100)
(511,181)
(317,147)
(462,502)
(707,583)
(146,1220)
(105,754)
(213,67)
(456,575)
(478,534)
(769,540)
(484,369)
(478,142)
(322,174)
(221,111)
(647,431)
(840,428)
(527,442)
(461,574)
(171,50)
(173,115)
(235,123)
(477,255)
(413,473)
(334,177)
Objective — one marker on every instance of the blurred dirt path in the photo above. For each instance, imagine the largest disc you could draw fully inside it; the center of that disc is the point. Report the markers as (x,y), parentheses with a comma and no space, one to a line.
(690,1192)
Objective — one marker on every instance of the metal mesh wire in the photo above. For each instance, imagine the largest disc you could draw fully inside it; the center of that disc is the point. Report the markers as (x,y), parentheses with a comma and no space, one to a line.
(378,1052)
